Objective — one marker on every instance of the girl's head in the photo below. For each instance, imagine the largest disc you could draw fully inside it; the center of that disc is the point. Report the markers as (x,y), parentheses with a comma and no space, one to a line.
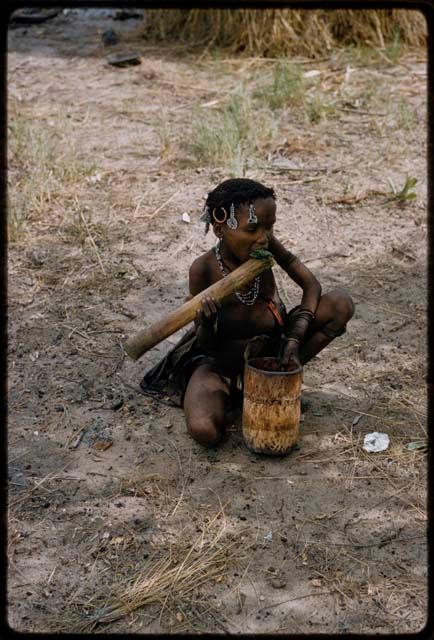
(242,213)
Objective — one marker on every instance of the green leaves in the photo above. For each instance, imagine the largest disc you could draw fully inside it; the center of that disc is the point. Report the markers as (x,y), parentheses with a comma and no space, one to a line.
(415,446)
(261,254)
(406,192)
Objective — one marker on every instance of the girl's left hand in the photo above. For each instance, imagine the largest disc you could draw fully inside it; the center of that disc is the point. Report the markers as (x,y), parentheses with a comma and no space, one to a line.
(207,313)
(290,357)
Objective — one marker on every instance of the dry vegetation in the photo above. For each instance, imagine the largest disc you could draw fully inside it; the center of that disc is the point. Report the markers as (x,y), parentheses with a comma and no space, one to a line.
(118,522)
(289,32)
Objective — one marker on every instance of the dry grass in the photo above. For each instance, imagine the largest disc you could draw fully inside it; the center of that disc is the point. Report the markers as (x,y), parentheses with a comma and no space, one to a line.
(44,168)
(282,32)
(249,122)
(174,581)
(233,135)
(287,87)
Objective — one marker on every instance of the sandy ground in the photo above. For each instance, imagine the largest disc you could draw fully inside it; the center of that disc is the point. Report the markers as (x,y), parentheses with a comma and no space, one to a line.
(105,484)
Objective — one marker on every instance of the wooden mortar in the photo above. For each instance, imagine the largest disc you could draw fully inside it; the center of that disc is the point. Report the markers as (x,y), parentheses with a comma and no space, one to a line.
(271,406)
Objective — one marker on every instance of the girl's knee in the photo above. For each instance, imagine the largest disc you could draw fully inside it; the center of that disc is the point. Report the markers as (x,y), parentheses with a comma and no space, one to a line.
(205,432)
(342,305)
(340,309)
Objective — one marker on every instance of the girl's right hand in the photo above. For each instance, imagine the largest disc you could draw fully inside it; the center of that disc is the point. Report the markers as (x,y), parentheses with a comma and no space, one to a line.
(207,313)
(290,356)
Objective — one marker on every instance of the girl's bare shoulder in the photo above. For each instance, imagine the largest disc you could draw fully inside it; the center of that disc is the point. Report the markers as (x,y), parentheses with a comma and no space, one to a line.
(201,269)
(203,263)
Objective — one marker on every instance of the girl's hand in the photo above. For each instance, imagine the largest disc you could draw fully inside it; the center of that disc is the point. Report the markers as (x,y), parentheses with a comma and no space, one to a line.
(290,357)
(207,314)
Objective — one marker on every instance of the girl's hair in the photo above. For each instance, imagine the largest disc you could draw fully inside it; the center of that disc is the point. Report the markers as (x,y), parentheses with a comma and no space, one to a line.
(237,191)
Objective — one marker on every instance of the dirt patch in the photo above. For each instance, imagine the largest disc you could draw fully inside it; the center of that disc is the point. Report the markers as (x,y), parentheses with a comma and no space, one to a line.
(105,485)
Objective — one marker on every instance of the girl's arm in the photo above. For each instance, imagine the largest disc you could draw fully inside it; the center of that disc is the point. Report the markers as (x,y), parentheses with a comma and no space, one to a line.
(298,272)
(206,317)
(300,320)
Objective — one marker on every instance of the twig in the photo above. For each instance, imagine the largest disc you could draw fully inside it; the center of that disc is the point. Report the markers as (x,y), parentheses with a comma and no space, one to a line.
(18,456)
(387,309)
(183,245)
(154,213)
(138,390)
(93,243)
(306,595)
(106,331)
(120,361)
(371,415)
(75,330)
(52,574)
(139,205)
(362,111)
(400,326)
(77,440)
(67,478)
(151,395)
(305,180)
(306,169)
(358,198)
(48,477)
(410,256)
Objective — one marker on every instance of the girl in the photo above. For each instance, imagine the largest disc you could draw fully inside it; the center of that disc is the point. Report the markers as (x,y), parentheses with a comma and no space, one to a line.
(206,366)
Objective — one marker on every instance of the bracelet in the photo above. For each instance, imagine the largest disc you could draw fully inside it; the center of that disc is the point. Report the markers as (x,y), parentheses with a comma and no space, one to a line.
(294,339)
(305,313)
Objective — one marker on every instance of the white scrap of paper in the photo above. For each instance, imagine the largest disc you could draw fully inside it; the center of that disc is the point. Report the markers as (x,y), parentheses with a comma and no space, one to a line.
(375,441)
(186,217)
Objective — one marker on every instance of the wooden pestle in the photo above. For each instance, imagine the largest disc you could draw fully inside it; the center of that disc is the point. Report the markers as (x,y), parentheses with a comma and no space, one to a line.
(138,344)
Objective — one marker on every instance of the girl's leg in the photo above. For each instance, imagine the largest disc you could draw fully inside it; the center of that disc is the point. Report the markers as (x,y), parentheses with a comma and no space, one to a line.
(207,405)
(335,309)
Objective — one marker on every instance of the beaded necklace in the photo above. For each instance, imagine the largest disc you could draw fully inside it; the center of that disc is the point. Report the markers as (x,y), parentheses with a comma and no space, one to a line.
(248,298)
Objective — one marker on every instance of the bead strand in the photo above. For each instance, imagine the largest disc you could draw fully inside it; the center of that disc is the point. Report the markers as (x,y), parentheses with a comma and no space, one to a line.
(248,298)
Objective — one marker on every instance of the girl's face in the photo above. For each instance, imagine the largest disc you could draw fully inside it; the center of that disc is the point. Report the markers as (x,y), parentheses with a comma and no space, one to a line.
(240,242)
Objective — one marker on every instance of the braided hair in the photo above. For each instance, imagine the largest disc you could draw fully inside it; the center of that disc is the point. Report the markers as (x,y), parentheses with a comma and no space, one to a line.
(236,191)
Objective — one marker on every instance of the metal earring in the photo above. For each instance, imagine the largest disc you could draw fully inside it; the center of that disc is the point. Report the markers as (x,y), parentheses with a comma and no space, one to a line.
(232,222)
(252,214)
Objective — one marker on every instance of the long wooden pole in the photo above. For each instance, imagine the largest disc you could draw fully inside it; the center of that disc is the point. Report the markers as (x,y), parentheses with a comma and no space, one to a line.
(138,344)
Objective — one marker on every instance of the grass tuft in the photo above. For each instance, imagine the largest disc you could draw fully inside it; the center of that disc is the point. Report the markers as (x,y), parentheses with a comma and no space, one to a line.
(395,48)
(406,193)
(317,108)
(286,88)
(233,135)
(43,165)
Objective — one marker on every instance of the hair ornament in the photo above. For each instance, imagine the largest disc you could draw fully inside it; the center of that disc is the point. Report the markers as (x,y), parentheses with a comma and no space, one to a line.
(253,218)
(232,222)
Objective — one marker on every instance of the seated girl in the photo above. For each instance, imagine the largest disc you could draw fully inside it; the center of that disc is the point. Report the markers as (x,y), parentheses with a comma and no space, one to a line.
(206,366)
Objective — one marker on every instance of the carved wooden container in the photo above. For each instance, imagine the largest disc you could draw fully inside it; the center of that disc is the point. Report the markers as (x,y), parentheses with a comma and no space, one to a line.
(271,406)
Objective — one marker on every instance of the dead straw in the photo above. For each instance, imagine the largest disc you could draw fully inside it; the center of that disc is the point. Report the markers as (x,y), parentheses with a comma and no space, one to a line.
(169,580)
(294,32)
(93,243)
(158,209)
(38,484)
